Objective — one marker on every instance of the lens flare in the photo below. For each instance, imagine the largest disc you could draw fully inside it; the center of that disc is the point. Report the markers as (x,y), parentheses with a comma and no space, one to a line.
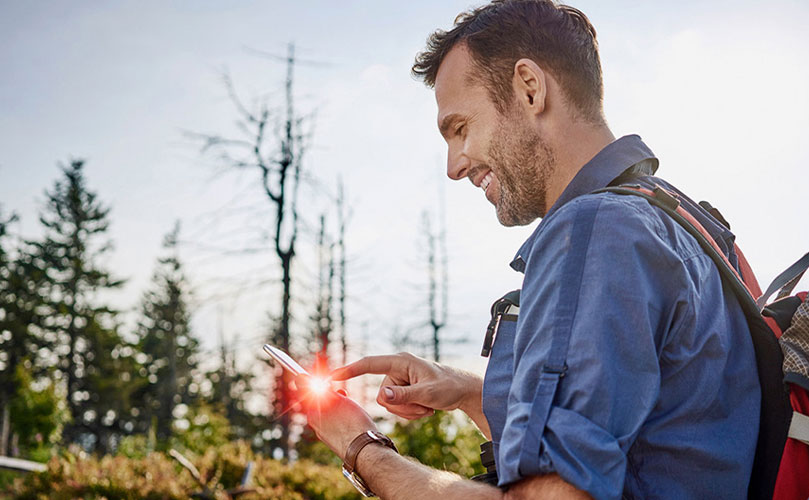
(319,386)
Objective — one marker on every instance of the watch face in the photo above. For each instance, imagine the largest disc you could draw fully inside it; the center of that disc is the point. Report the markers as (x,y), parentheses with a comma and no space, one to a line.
(358,483)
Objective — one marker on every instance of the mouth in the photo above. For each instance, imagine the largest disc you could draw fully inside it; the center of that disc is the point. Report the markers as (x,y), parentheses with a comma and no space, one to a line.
(486,181)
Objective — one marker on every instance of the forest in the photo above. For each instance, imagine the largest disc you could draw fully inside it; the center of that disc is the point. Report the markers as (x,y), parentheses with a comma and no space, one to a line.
(128,404)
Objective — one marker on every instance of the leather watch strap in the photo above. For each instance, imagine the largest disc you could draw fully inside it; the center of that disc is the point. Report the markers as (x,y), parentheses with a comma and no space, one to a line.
(361,442)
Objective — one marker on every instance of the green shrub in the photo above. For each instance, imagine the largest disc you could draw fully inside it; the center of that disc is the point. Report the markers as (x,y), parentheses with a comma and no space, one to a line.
(203,428)
(159,477)
(443,441)
(446,441)
(37,416)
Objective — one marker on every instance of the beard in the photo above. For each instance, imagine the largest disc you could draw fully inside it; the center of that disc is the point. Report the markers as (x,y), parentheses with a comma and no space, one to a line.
(523,164)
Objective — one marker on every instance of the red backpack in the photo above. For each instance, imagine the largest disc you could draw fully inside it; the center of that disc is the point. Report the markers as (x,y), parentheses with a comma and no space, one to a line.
(780,333)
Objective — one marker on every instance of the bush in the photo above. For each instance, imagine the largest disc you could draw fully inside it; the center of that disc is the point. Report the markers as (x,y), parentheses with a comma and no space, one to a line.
(37,416)
(446,441)
(442,441)
(158,476)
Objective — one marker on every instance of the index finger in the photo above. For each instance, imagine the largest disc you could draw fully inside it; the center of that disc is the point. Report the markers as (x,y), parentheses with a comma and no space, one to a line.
(380,365)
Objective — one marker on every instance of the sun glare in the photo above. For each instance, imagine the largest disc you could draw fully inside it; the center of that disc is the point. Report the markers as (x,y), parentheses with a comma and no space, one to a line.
(319,385)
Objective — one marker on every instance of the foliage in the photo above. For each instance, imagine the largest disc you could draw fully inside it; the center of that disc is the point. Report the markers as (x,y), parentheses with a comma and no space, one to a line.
(90,352)
(309,447)
(169,350)
(21,307)
(53,319)
(136,446)
(231,389)
(157,476)
(442,441)
(200,428)
(37,416)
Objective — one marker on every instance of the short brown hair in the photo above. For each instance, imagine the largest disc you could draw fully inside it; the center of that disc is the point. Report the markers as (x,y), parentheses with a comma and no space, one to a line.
(558,37)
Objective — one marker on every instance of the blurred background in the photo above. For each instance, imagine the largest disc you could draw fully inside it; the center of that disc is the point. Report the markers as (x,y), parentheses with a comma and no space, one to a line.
(181,182)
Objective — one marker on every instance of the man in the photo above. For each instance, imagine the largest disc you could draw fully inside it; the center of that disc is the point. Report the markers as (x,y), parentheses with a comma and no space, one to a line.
(630,372)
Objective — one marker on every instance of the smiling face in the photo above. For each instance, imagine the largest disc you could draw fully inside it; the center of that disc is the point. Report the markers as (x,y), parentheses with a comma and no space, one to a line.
(502,153)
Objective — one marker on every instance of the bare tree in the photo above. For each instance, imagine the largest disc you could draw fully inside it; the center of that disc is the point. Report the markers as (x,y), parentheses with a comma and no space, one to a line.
(323,323)
(278,163)
(438,287)
(341,269)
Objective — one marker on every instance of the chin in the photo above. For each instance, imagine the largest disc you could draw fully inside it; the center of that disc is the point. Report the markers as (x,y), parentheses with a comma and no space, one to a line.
(508,218)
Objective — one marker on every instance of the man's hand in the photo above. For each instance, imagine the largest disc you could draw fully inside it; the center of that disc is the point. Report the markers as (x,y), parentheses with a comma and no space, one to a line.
(414,387)
(335,418)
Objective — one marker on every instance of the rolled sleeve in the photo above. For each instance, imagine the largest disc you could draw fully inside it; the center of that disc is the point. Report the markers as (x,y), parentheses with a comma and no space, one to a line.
(629,289)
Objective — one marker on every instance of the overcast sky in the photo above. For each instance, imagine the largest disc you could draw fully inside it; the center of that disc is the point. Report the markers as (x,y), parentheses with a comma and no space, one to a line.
(717,90)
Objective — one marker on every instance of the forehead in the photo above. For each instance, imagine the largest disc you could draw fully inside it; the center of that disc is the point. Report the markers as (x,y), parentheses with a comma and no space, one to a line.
(455,88)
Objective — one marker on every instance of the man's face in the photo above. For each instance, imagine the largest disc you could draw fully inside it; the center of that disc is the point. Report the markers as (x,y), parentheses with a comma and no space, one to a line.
(501,153)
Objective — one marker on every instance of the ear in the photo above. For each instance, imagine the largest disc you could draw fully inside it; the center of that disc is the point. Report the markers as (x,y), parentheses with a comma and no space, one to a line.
(530,85)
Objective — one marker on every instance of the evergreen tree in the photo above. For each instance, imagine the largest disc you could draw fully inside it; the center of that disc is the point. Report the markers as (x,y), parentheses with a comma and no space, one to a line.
(93,359)
(37,416)
(230,392)
(171,350)
(21,309)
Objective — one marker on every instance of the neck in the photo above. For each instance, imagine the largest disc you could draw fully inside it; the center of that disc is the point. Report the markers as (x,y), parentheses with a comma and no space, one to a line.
(574,145)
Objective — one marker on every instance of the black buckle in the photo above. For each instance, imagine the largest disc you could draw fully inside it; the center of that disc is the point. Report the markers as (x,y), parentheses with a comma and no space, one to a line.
(666,198)
(488,462)
(498,310)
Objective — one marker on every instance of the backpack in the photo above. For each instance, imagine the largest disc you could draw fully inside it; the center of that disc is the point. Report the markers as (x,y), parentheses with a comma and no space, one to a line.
(780,334)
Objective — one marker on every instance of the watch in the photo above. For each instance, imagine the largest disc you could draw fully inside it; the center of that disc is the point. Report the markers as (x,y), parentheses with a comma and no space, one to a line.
(350,463)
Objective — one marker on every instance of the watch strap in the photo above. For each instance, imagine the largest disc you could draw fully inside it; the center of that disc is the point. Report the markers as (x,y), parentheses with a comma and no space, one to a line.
(360,442)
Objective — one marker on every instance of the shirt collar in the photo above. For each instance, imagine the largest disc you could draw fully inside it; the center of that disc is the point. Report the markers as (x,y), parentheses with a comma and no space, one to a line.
(616,158)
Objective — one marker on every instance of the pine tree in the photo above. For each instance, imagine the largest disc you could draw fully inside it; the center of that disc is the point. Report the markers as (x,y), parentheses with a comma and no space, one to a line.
(165,338)
(21,309)
(92,357)
(230,392)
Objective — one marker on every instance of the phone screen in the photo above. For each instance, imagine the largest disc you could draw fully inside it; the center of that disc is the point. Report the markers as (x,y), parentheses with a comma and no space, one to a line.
(285,360)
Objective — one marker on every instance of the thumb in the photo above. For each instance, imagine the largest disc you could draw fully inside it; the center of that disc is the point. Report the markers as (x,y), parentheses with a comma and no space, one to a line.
(400,394)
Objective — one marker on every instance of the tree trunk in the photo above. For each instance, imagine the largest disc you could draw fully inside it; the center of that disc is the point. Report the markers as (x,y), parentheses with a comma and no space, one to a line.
(4,429)
(284,380)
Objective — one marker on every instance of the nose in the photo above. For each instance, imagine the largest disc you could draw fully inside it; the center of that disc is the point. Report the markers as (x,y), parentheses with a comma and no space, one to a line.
(457,164)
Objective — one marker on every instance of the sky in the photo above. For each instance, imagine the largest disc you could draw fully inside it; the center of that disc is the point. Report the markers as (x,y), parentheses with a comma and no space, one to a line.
(716,89)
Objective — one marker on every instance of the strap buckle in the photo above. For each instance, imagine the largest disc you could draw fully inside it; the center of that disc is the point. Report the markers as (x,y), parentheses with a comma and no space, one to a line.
(498,310)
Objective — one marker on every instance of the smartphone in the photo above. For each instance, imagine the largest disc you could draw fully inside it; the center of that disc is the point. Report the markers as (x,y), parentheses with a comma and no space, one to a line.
(284,360)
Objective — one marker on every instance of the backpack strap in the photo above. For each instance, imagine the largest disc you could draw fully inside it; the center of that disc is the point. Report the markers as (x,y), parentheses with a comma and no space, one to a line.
(746,271)
(669,203)
(785,282)
(776,411)
(799,427)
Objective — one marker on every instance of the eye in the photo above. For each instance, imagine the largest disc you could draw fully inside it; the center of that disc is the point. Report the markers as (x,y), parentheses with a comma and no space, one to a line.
(461,130)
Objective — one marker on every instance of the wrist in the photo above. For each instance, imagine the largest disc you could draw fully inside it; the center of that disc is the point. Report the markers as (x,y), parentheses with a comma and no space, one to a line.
(472,401)
(368,459)
(366,440)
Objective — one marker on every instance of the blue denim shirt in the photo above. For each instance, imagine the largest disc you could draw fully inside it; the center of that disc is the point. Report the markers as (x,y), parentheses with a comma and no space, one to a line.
(659,396)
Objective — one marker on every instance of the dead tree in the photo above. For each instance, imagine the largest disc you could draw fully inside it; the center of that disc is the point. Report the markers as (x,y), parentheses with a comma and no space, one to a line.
(278,163)
(438,287)
(341,269)
(323,323)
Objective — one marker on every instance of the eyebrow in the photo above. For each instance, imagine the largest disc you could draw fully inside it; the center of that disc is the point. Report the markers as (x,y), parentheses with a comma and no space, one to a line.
(447,122)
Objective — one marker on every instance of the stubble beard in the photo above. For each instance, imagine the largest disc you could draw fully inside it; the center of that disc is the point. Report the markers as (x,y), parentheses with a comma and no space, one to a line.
(523,163)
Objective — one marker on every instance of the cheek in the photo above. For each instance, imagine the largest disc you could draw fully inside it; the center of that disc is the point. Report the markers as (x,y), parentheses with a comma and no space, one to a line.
(477,145)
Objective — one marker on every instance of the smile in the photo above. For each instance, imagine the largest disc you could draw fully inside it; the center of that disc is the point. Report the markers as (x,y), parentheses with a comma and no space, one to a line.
(484,184)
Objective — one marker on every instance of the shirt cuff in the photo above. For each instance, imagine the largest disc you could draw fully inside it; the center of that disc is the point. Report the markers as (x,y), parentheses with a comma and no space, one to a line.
(572,446)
